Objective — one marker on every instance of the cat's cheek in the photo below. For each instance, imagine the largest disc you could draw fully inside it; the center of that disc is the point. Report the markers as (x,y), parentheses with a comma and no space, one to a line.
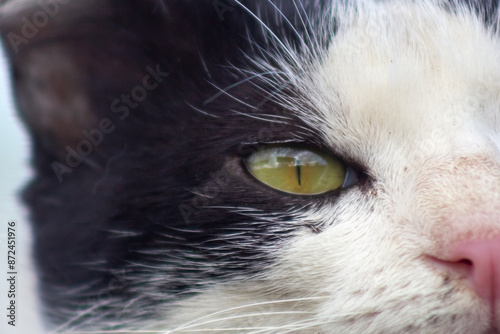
(358,275)
(365,280)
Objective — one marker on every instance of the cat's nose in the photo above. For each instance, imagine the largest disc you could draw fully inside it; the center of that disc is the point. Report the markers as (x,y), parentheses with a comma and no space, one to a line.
(479,262)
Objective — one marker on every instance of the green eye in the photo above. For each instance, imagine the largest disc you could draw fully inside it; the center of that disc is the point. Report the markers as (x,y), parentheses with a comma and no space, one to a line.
(299,171)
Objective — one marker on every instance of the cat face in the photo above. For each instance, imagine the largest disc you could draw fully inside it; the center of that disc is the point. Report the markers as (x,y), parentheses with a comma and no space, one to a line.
(181,149)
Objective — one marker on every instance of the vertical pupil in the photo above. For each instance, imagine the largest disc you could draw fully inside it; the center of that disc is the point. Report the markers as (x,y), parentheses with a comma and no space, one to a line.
(298,171)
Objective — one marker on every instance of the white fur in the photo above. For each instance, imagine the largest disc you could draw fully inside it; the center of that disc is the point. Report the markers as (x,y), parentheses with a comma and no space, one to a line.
(412,92)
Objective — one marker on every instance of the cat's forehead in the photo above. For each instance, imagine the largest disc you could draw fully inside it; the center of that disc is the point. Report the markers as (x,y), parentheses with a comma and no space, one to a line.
(409,77)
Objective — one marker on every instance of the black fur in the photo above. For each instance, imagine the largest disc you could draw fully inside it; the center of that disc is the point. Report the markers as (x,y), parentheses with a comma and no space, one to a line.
(164,170)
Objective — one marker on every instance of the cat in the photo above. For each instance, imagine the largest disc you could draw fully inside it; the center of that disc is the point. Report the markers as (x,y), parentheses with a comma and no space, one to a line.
(265,166)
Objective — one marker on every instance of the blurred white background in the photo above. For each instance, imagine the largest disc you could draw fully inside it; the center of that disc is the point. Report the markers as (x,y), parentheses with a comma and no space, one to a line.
(14,173)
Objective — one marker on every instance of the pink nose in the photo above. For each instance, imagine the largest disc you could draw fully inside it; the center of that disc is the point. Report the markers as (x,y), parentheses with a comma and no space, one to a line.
(480,260)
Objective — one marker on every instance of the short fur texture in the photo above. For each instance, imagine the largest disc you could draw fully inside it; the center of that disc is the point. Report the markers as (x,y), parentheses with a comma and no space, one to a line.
(161,227)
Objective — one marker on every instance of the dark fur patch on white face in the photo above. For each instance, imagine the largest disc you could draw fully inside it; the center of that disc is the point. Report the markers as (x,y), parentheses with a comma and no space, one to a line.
(141,113)
(163,205)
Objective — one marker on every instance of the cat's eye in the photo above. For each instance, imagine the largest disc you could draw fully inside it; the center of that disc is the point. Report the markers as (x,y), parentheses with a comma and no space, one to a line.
(299,171)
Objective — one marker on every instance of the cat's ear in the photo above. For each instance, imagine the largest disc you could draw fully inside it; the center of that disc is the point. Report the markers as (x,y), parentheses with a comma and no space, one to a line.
(48,76)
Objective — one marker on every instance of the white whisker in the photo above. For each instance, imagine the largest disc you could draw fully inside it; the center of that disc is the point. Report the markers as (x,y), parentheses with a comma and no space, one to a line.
(225,90)
(256,117)
(241,307)
(183,328)
(202,111)
(264,26)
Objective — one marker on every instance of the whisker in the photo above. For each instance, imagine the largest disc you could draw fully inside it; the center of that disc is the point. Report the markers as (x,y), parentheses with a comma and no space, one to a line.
(225,90)
(305,323)
(256,117)
(309,24)
(239,317)
(119,332)
(202,111)
(217,329)
(247,306)
(75,318)
(263,25)
(290,24)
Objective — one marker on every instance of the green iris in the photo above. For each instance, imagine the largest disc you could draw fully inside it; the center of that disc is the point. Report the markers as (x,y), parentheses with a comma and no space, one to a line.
(297,171)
